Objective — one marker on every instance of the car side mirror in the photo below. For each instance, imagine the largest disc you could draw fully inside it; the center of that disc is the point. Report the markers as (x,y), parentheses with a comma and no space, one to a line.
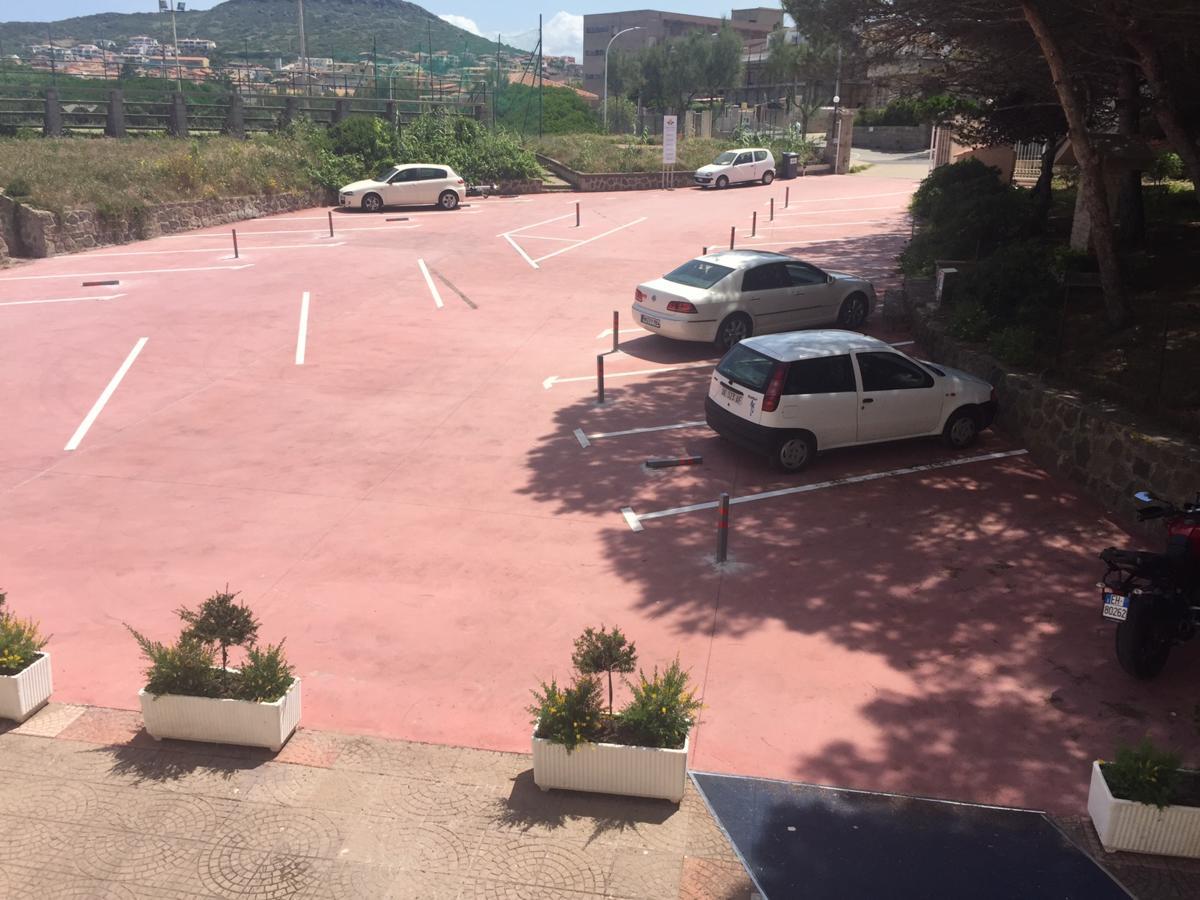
(1144,497)
(829,279)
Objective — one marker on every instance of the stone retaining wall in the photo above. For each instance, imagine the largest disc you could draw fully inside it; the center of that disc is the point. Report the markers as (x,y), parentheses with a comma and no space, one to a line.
(614,181)
(1095,444)
(36,233)
(528,186)
(892,138)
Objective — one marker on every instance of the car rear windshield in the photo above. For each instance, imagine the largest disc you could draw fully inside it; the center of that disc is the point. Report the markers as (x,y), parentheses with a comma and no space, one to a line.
(697,273)
(725,158)
(747,367)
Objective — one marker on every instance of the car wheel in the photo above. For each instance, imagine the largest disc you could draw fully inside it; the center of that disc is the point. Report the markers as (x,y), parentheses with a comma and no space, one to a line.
(448,200)
(372,203)
(794,452)
(853,312)
(722,182)
(962,428)
(1143,645)
(768,176)
(734,328)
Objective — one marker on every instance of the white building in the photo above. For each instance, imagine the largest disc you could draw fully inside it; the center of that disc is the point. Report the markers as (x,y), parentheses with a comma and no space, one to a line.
(196,46)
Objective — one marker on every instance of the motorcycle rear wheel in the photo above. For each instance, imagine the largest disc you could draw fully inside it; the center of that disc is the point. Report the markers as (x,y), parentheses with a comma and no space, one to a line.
(1142,644)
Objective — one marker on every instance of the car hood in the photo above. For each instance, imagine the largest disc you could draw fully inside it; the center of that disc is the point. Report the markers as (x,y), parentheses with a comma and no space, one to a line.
(711,169)
(963,377)
(845,276)
(361,185)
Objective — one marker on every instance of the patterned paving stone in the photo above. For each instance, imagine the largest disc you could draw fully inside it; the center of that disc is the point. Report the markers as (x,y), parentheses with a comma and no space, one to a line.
(409,760)
(107,727)
(50,720)
(644,874)
(312,748)
(482,889)
(287,785)
(126,856)
(714,879)
(56,800)
(295,832)
(227,870)
(146,810)
(489,767)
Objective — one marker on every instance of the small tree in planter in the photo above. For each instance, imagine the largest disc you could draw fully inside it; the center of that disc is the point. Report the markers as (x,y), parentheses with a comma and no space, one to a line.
(640,751)
(1144,802)
(602,653)
(188,696)
(25,680)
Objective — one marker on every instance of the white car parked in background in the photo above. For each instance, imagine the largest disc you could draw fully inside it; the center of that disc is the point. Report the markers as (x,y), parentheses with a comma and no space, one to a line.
(412,184)
(791,395)
(734,166)
(733,294)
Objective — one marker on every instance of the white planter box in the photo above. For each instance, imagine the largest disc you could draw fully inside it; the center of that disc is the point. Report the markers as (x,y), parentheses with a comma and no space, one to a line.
(216,721)
(23,694)
(1142,827)
(611,769)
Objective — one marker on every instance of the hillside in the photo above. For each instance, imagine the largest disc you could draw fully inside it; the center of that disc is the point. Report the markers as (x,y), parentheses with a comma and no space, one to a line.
(267,29)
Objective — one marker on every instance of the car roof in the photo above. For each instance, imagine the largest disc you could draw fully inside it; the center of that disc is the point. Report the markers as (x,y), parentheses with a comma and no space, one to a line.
(420,165)
(790,346)
(743,259)
(744,149)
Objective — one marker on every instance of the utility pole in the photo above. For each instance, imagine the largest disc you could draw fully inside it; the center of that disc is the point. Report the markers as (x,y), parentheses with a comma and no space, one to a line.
(496,86)
(303,49)
(429,37)
(175,39)
(53,66)
(375,63)
(541,82)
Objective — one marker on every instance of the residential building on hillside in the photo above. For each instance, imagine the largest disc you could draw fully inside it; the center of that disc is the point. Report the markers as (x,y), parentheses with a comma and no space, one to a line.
(754,25)
(196,46)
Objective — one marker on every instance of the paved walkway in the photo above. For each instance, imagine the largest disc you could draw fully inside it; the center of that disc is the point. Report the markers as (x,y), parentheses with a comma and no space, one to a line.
(96,809)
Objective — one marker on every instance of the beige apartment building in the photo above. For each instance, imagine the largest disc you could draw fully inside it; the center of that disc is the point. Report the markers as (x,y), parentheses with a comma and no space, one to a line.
(754,25)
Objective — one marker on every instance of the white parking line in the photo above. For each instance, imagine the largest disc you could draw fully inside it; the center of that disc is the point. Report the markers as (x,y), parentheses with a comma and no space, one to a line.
(607,332)
(535,224)
(760,243)
(823,212)
(302,334)
(589,240)
(635,519)
(134,272)
(546,237)
(770,226)
(517,247)
(554,379)
(437,298)
(585,440)
(245,247)
(840,199)
(58,300)
(73,443)
(319,232)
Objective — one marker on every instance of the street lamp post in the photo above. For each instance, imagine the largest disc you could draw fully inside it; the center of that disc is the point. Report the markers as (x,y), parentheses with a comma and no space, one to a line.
(606,49)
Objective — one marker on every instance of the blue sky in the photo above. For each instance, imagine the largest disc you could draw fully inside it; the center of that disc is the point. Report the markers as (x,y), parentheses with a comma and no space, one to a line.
(563,21)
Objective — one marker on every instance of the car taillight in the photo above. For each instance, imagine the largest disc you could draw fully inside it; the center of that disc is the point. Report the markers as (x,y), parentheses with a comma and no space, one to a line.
(460,181)
(639,295)
(774,388)
(680,306)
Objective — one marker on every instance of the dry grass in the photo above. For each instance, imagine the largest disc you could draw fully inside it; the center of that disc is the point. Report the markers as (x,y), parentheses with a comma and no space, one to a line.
(620,153)
(120,177)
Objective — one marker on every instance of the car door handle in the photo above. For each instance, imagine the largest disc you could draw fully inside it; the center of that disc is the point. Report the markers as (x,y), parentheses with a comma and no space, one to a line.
(868,400)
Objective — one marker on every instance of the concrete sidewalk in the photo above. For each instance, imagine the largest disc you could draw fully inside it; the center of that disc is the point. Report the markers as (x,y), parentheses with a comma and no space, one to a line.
(97,809)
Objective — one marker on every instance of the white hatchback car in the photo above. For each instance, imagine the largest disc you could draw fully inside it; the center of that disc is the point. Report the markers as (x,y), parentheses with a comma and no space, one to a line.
(412,184)
(733,294)
(791,395)
(735,166)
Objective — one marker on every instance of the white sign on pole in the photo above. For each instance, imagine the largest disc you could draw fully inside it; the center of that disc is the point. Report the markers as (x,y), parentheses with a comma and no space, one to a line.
(669,138)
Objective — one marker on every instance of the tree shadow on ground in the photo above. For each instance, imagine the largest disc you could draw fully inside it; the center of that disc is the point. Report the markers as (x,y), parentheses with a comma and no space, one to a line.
(169,761)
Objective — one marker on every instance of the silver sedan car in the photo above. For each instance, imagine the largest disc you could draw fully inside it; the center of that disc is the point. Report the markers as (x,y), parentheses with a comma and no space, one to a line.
(732,294)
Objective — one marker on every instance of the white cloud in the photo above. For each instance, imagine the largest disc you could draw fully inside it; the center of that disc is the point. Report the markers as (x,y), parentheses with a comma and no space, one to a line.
(464,23)
(563,35)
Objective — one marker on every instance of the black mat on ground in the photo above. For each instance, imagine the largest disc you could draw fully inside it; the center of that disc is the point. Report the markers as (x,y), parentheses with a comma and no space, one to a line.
(803,842)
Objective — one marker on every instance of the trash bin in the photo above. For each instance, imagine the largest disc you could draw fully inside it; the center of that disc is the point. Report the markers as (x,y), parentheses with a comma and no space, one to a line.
(789,165)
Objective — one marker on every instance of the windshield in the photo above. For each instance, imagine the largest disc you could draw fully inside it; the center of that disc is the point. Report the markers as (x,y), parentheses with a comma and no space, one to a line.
(725,158)
(385,174)
(747,367)
(697,273)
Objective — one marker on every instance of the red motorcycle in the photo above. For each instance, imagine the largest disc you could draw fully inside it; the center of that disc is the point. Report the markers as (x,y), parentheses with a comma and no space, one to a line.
(1155,597)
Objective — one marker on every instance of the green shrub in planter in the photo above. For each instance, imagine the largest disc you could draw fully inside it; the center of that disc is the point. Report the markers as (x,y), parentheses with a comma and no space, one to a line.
(20,641)
(1143,774)
(572,716)
(602,653)
(662,711)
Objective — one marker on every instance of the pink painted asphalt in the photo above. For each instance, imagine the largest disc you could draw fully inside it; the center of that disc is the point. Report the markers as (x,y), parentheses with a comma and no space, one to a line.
(409,506)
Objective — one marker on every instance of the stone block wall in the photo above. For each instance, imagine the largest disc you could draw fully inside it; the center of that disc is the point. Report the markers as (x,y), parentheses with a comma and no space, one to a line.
(528,186)
(1095,444)
(891,138)
(614,181)
(36,233)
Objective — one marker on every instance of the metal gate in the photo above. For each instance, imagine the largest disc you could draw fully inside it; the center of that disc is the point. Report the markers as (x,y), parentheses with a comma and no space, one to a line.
(1028,163)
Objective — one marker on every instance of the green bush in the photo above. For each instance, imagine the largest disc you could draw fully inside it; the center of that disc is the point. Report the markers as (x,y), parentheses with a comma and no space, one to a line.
(185,667)
(563,111)
(662,711)
(1143,774)
(474,152)
(1019,281)
(18,187)
(368,139)
(602,653)
(265,676)
(20,641)
(1020,345)
(898,112)
(1167,167)
(969,321)
(569,717)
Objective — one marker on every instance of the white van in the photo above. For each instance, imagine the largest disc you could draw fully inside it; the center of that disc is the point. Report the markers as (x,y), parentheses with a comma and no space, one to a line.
(735,166)
(791,395)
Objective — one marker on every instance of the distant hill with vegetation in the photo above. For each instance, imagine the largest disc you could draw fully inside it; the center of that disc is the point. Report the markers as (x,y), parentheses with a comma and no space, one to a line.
(266,29)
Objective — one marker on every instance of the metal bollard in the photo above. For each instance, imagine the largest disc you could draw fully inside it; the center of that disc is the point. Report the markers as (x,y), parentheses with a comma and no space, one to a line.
(705,253)
(616,325)
(723,528)
(772,209)
(787,191)
(732,229)
(754,224)
(576,214)
(331,223)
(235,249)
(600,379)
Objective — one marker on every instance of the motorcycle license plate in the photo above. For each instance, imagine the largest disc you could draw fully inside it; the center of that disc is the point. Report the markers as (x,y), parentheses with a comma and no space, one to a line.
(1116,607)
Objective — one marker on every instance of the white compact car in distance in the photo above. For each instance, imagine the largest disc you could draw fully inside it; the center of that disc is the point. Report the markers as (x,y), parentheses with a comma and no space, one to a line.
(412,184)
(733,294)
(789,396)
(738,166)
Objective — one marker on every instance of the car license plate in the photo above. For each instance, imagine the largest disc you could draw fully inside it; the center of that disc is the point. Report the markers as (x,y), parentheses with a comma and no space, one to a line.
(1116,607)
(651,321)
(730,395)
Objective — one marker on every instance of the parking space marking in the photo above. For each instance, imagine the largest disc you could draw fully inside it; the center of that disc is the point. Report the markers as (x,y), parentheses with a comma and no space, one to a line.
(214,250)
(546,237)
(760,243)
(437,298)
(822,212)
(316,232)
(554,379)
(582,438)
(628,431)
(135,272)
(589,240)
(302,334)
(517,247)
(58,300)
(637,518)
(94,412)
(772,227)
(535,225)
(607,332)
(851,197)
